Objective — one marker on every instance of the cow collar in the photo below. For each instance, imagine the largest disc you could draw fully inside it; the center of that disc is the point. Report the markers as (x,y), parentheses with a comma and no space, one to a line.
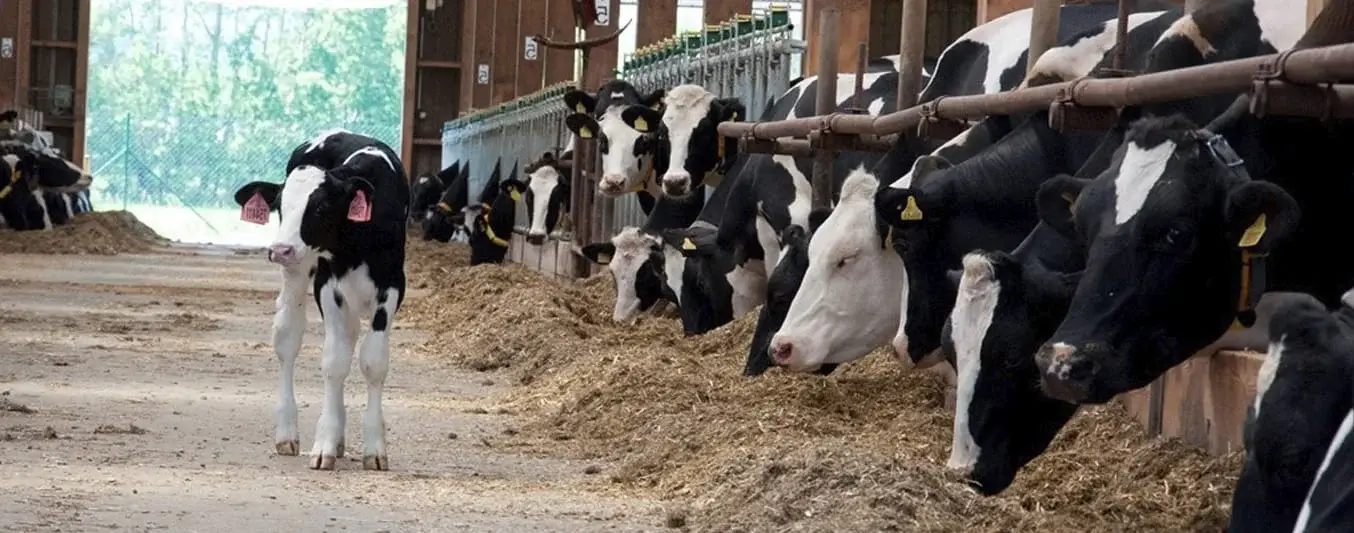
(1253,267)
(489,230)
(715,176)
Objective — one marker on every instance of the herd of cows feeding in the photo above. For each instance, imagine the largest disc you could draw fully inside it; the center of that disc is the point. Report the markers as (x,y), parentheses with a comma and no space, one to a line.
(1046,270)
(38,188)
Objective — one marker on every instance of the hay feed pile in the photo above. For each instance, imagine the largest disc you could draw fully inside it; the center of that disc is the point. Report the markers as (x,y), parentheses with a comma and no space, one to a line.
(863,450)
(96,233)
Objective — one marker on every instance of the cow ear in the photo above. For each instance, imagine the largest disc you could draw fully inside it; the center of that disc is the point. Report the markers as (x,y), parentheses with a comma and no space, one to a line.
(512,188)
(465,171)
(925,166)
(1055,201)
(654,100)
(817,217)
(600,252)
(582,125)
(580,102)
(642,119)
(548,157)
(682,241)
(1260,215)
(269,192)
(730,110)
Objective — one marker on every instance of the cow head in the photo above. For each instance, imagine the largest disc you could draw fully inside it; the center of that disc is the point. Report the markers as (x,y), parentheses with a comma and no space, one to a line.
(1166,228)
(423,196)
(446,216)
(547,197)
(1002,419)
(700,277)
(847,304)
(312,207)
(623,145)
(1302,395)
(689,138)
(781,287)
(637,262)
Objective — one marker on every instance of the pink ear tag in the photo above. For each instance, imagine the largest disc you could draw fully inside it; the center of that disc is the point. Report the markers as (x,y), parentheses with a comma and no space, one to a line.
(256,210)
(360,209)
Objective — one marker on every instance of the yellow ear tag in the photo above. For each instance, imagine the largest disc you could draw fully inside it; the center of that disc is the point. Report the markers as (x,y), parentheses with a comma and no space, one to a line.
(641,124)
(1253,233)
(911,212)
(603,259)
(638,187)
(687,244)
(5,191)
(734,116)
(580,108)
(516,196)
(585,133)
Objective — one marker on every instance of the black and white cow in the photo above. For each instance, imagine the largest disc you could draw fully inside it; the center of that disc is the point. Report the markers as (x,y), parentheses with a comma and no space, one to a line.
(43,189)
(448,215)
(780,291)
(427,191)
(627,149)
(342,208)
(491,222)
(21,201)
(1329,507)
(547,195)
(1304,393)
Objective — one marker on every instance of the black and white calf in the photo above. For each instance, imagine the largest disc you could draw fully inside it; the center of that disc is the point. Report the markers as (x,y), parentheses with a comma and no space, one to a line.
(547,195)
(1299,419)
(447,216)
(342,208)
(627,148)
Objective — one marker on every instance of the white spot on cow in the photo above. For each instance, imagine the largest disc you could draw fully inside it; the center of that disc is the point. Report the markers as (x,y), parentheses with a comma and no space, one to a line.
(1336,442)
(632,251)
(319,140)
(1077,60)
(686,106)
(423,180)
(1141,169)
(11,160)
(1348,298)
(370,151)
(768,238)
(542,184)
(1268,369)
(749,286)
(296,191)
(1007,38)
(674,263)
(842,310)
(969,322)
(1186,28)
(46,214)
(70,210)
(618,95)
(1280,24)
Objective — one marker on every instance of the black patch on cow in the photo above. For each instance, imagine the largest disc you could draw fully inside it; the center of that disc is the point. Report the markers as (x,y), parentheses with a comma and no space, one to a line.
(379,321)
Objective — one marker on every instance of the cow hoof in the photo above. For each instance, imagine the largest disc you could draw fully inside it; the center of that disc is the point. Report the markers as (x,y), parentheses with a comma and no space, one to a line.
(375,462)
(289,447)
(323,462)
(338,452)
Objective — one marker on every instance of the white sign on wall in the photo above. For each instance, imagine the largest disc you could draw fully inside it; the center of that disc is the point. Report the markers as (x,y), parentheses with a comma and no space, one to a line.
(482,77)
(529,49)
(7,48)
(603,13)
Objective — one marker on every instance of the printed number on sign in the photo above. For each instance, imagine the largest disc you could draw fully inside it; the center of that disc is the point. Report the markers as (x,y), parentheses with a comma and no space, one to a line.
(603,13)
(529,49)
(482,77)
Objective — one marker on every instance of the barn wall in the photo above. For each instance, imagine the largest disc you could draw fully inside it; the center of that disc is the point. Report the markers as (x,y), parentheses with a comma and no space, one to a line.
(44,49)
(531,15)
(717,11)
(559,22)
(602,59)
(656,21)
(432,82)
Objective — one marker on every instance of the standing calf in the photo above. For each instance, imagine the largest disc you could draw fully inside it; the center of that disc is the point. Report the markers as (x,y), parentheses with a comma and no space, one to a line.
(342,210)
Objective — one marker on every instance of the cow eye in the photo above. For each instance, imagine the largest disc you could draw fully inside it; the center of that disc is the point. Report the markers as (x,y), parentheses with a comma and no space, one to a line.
(1173,239)
(841,263)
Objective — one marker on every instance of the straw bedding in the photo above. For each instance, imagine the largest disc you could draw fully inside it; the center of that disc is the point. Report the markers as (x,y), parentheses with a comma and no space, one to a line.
(861,450)
(96,233)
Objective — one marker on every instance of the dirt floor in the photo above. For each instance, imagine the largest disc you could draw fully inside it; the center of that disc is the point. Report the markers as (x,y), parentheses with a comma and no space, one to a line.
(138,395)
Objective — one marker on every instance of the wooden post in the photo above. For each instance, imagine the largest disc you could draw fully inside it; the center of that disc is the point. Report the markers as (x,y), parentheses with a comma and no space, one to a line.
(81,83)
(1043,29)
(854,20)
(1313,9)
(825,103)
(531,16)
(657,21)
(911,49)
(717,11)
(484,53)
(505,46)
(411,55)
(603,57)
(468,64)
(559,25)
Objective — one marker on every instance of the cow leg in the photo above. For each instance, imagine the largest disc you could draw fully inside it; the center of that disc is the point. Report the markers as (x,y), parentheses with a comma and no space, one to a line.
(46,216)
(289,325)
(340,337)
(375,361)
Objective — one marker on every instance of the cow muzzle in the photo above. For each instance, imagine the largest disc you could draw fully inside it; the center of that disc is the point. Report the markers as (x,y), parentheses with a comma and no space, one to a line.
(283,254)
(1066,372)
(611,185)
(677,184)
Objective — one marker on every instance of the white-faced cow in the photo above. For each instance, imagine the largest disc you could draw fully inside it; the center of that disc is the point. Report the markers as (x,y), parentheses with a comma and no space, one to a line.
(342,208)
(1299,419)
(447,216)
(627,149)
(547,195)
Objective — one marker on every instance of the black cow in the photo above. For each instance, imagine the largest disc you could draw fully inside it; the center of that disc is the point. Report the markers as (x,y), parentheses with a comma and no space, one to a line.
(343,209)
(491,222)
(427,191)
(1301,414)
(448,215)
(21,201)
(780,291)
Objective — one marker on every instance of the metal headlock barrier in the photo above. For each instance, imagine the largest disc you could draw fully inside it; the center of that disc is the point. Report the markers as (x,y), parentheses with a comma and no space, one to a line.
(747,56)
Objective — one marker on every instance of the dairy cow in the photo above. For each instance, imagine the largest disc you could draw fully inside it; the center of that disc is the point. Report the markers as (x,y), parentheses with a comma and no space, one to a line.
(343,208)
(491,221)
(627,149)
(427,191)
(447,216)
(547,194)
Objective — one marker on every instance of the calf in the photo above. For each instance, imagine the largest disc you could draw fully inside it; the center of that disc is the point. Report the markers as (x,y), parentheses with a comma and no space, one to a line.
(626,148)
(448,215)
(491,222)
(1301,413)
(547,194)
(342,208)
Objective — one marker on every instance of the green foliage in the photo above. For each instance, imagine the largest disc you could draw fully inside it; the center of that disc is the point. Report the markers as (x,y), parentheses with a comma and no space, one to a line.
(207,97)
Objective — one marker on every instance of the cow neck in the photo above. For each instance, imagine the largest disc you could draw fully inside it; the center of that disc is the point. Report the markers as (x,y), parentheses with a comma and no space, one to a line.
(1035,155)
(714,176)
(648,184)
(1253,263)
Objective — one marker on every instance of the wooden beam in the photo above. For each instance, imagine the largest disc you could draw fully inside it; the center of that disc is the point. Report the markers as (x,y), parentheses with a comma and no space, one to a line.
(411,77)
(531,15)
(427,141)
(505,50)
(484,52)
(81,82)
(468,29)
(855,27)
(657,21)
(69,45)
(602,59)
(559,22)
(437,63)
(23,53)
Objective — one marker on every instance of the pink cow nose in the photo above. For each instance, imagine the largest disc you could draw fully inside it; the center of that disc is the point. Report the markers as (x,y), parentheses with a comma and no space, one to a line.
(282,254)
(781,351)
(612,183)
